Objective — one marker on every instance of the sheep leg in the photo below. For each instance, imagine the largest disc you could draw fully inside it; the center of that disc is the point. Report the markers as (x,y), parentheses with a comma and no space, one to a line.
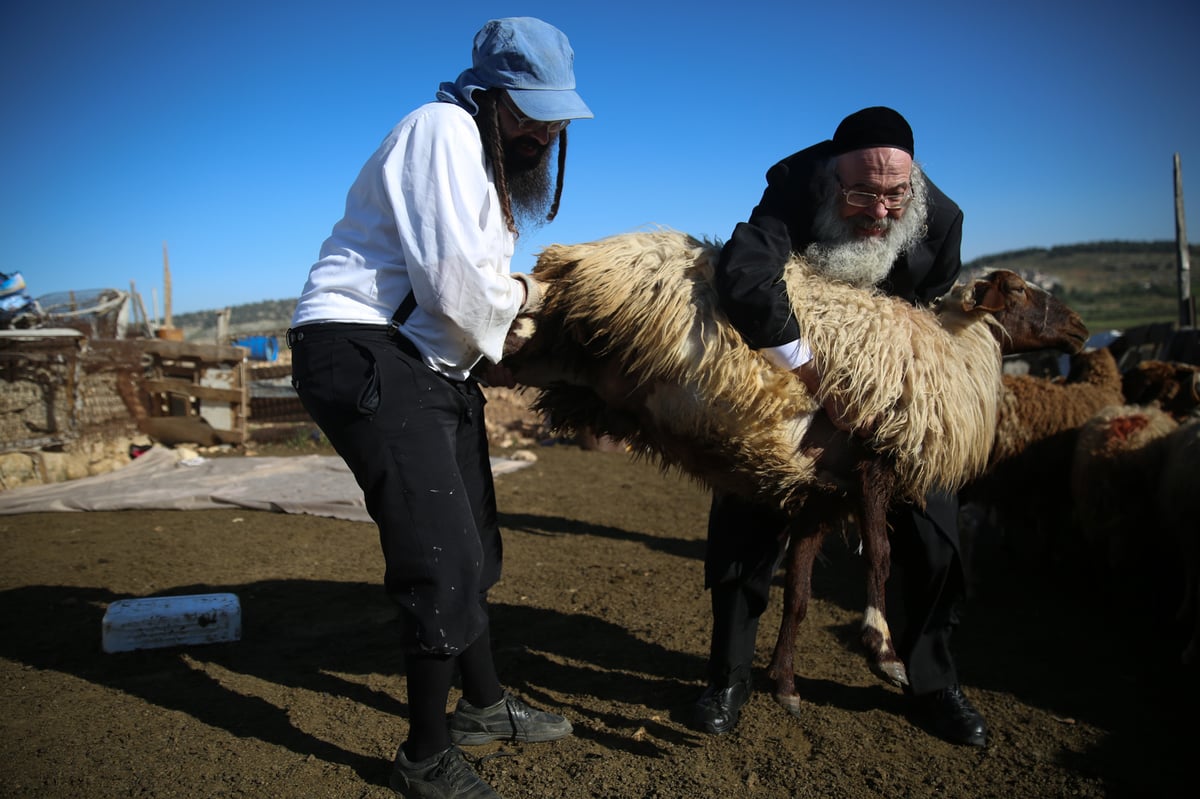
(801,553)
(877,481)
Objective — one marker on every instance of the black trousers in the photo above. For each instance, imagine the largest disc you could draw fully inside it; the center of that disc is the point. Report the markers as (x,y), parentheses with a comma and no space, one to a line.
(417,446)
(924,591)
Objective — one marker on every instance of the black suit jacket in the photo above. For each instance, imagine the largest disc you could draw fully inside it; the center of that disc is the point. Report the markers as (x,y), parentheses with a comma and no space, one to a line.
(750,269)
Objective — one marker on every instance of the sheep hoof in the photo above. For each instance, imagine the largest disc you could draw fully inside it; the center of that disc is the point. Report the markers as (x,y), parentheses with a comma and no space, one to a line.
(891,672)
(790,702)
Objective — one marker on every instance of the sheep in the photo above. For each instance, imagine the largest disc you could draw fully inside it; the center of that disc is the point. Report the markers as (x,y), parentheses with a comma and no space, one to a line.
(1173,386)
(1134,487)
(1179,513)
(1031,456)
(1034,409)
(1114,478)
(630,341)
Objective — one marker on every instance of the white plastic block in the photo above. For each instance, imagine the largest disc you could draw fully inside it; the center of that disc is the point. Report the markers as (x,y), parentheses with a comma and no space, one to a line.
(156,622)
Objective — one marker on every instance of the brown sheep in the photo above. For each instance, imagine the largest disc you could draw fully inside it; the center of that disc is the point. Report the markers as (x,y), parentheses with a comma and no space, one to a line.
(1031,458)
(1135,490)
(1034,409)
(630,341)
(1114,481)
(1173,386)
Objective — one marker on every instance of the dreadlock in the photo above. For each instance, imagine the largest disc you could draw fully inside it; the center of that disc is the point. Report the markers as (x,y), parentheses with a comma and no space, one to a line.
(558,180)
(489,116)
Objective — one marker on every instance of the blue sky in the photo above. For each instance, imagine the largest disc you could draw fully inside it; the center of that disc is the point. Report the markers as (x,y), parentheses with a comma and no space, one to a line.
(231,129)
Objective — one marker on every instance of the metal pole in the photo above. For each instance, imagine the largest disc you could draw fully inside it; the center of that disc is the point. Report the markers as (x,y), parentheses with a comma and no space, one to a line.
(1187,311)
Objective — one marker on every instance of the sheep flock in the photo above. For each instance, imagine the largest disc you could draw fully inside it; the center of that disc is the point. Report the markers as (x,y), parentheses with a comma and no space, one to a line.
(1098,470)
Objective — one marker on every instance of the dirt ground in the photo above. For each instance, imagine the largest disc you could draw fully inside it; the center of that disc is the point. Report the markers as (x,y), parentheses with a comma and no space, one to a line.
(601,615)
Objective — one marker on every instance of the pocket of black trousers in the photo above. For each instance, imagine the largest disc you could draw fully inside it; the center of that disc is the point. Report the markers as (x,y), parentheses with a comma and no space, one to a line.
(368,397)
(338,375)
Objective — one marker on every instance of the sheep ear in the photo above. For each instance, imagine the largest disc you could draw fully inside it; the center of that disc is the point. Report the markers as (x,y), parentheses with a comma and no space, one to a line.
(987,296)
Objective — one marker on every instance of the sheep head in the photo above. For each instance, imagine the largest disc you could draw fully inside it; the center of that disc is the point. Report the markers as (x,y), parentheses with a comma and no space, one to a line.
(1027,317)
(1173,386)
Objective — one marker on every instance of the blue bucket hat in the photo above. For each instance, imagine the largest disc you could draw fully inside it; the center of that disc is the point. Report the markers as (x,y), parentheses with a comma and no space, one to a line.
(530,59)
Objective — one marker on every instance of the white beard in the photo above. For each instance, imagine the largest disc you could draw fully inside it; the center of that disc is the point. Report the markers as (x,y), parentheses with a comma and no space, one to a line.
(843,255)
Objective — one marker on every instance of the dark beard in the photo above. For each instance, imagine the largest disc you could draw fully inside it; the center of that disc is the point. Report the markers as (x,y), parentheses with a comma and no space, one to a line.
(530,188)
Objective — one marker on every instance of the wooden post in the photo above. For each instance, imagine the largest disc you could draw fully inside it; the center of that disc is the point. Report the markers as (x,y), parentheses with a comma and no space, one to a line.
(223,325)
(1187,310)
(148,329)
(168,330)
(137,313)
(166,289)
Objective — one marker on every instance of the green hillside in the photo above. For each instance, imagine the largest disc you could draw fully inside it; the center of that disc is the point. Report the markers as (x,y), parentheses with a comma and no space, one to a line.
(263,318)
(1112,284)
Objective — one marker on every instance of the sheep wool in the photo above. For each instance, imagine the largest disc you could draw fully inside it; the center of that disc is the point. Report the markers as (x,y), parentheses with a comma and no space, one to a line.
(1118,459)
(931,382)
(934,378)
(1033,409)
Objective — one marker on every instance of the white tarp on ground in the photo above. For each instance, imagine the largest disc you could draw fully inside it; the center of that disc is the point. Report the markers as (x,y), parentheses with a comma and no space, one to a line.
(318,485)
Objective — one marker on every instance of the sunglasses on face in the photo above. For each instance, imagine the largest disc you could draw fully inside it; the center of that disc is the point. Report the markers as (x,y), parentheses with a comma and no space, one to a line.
(527,124)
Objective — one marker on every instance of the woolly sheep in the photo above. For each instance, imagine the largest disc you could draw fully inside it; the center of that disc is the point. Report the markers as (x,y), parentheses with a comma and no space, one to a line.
(630,342)
(1034,409)
(1028,474)
(1114,478)
(1173,386)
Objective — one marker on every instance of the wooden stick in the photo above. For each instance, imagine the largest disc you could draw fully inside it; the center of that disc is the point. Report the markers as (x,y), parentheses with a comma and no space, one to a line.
(141,307)
(166,289)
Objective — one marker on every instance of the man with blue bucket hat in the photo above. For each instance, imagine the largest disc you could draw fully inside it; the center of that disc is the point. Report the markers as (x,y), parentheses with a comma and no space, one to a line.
(411,297)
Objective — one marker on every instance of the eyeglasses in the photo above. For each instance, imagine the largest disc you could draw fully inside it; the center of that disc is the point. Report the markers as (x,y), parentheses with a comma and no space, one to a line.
(867,199)
(528,124)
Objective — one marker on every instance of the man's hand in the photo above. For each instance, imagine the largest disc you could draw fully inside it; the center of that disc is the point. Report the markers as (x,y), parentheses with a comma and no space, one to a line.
(533,293)
(834,408)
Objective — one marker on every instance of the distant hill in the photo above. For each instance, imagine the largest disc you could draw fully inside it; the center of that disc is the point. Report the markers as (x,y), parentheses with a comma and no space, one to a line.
(263,318)
(1112,284)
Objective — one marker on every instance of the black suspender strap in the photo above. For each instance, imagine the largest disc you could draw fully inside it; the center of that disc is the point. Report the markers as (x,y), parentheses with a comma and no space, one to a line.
(404,311)
(295,336)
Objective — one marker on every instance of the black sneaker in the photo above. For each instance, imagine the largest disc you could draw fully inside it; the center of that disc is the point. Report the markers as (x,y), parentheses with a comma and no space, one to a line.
(510,719)
(446,775)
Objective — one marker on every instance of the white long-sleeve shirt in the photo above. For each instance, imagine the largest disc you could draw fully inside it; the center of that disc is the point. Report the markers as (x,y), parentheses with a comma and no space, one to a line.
(422,214)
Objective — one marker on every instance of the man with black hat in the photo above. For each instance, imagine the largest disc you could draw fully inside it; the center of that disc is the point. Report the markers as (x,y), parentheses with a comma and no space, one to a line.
(412,291)
(861,210)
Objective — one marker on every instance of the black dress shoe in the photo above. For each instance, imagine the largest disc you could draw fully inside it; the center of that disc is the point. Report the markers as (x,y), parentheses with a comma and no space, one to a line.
(719,707)
(948,714)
